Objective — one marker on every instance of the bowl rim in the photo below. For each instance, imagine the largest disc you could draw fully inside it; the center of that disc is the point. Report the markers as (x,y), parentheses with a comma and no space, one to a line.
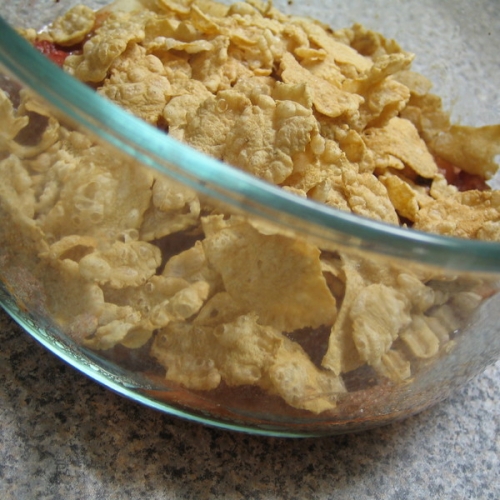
(156,149)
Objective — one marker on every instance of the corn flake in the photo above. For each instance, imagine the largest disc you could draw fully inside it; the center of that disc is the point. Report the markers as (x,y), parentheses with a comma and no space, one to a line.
(470,148)
(73,26)
(277,277)
(463,215)
(399,138)
(327,98)
(139,84)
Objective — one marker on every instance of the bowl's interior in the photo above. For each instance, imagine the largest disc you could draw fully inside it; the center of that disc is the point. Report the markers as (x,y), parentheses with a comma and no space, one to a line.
(455,46)
(458,56)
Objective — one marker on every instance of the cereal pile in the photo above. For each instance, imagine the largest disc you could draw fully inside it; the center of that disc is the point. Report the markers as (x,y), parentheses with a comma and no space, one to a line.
(123,256)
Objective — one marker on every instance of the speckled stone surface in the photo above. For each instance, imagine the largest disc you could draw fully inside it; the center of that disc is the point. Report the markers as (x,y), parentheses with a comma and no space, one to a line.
(62,436)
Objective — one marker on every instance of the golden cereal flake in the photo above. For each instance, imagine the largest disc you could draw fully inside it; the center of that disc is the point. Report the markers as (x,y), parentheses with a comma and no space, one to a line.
(441,189)
(378,315)
(399,138)
(341,355)
(341,53)
(266,137)
(472,149)
(121,265)
(308,172)
(465,303)
(367,42)
(184,105)
(252,145)
(301,384)
(73,26)
(382,70)
(41,130)
(186,352)
(188,301)
(11,123)
(417,84)
(328,99)
(463,215)
(189,47)
(419,296)
(394,365)
(377,303)
(16,188)
(192,266)
(115,332)
(330,193)
(79,307)
(404,195)
(278,277)
(156,303)
(427,114)
(298,43)
(110,40)
(20,235)
(383,101)
(98,193)
(367,196)
(208,126)
(72,247)
(173,208)
(219,309)
(420,338)
(218,69)
(245,353)
(138,83)
(299,93)
(260,138)
(204,22)
(181,8)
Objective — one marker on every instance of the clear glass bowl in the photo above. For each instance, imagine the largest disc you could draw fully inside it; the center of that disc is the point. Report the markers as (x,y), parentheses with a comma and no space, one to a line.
(416,314)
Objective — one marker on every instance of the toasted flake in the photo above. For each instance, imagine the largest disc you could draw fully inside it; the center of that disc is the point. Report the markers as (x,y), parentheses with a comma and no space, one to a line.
(294,377)
(327,98)
(98,194)
(403,196)
(73,26)
(111,39)
(16,188)
(278,277)
(367,196)
(245,353)
(342,355)
(420,339)
(208,127)
(124,264)
(463,215)
(383,101)
(416,83)
(220,309)
(340,52)
(379,313)
(470,148)
(394,366)
(11,123)
(399,138)
(138,83)
(173,208)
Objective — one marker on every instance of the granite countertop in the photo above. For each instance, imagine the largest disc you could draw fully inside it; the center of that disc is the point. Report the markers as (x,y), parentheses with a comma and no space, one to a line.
(63,436)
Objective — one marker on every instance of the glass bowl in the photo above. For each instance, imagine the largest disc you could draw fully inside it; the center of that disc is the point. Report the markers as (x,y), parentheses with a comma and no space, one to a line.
(214,295)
